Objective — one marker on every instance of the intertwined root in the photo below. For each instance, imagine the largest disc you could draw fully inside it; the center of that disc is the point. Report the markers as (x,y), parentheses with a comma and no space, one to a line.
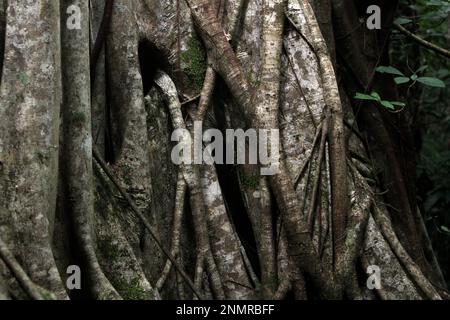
(317,221)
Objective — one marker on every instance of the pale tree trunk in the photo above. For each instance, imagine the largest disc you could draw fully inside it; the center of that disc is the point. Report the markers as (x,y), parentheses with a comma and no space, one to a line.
(30,108)
(76,142)
(141,227)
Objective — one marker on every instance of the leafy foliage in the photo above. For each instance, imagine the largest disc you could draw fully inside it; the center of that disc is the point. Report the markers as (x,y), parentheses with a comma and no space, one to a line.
(400,79)
(374,96)
(414,78)
(430,107)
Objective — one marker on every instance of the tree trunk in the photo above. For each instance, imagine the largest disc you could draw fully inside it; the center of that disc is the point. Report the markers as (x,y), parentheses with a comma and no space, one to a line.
(87,179)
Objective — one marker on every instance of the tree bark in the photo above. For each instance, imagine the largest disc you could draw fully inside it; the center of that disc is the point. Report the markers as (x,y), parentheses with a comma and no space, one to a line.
(146,228)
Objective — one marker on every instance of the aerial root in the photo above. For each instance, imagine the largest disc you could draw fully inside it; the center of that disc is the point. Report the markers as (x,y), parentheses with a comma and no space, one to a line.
(31,289)
(317,180)
(407,262)
(176,231)
(141,216)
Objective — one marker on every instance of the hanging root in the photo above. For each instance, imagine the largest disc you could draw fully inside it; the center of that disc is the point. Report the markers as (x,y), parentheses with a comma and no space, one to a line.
(283,289)
(33,291)
(210,75)
(141,216)
(317,180)
(360,200)
(408,263)
(192,177)
(199,263)
(207,92)
(101,36)
(176,231)
(257,200)
(77,154)
(180,282)
(283,266)
(338,164)
(263,114)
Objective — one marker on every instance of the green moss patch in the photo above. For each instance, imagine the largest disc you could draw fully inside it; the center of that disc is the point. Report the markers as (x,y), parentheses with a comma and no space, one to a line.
(194,62)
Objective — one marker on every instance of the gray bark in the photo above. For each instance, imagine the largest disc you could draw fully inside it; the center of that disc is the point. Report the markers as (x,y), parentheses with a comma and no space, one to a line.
(316,219)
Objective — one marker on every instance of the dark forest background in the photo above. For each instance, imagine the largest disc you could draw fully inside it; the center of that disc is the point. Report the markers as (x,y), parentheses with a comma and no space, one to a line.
(429,111)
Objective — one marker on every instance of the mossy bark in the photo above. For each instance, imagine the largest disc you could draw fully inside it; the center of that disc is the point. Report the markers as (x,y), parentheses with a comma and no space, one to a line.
(317,221)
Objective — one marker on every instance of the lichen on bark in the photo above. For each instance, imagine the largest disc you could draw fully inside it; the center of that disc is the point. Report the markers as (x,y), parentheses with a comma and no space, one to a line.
(85,155)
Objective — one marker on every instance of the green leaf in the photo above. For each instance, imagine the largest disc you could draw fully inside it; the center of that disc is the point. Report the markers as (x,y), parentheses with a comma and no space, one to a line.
(414,77)
(431,82)
(389,70)
(442,73)
(398,104)
(361,96)
(402,20)
(445,229)
(401,80)
(376,96)
(421,69)
(387,105)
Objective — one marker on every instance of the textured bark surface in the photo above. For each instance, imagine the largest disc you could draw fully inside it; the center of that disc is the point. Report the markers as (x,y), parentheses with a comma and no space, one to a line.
(76,145)
(30,107)
(86,175)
